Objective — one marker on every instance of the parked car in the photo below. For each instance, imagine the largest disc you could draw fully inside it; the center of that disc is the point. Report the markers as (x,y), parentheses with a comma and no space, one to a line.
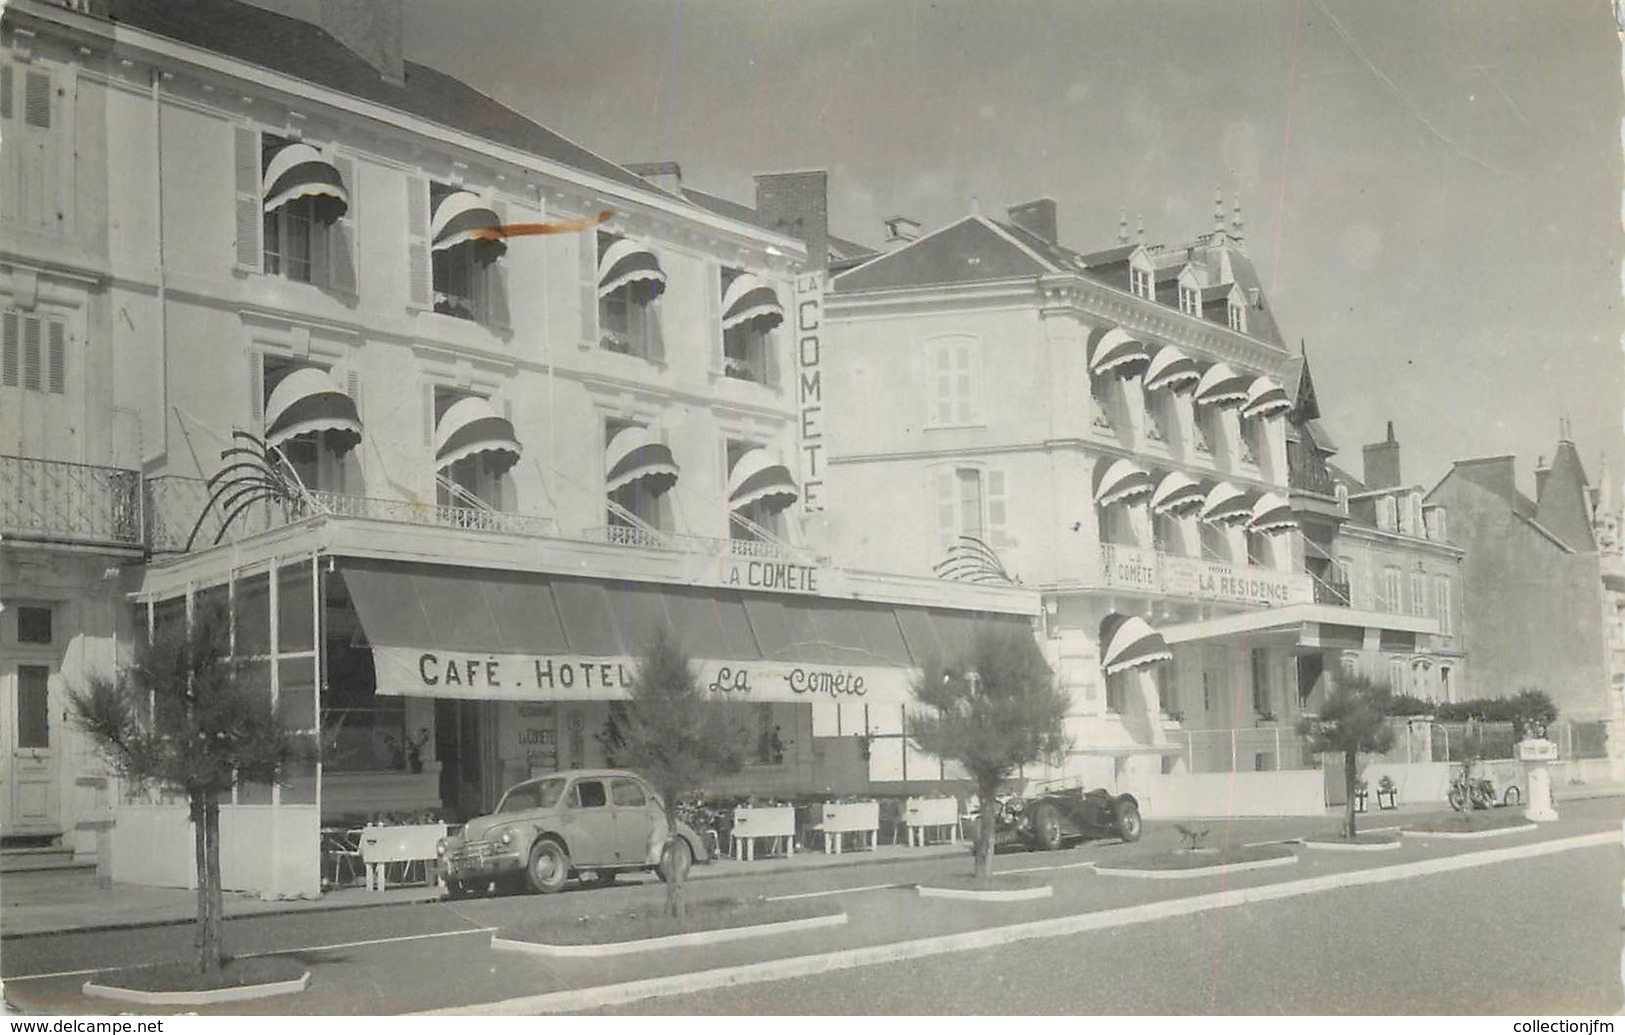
(1051,819)
(580,823)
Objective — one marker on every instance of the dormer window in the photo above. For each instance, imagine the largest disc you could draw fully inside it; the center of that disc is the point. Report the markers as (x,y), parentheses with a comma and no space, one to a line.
(1237,317)
(1342,493)
(1190,300)
(1139,281)
(1386,513)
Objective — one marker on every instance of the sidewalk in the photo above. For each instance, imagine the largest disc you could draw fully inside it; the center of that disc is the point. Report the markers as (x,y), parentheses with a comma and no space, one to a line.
(53,901)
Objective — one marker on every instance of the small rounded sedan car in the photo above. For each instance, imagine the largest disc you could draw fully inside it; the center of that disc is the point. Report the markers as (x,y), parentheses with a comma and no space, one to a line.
(596,822)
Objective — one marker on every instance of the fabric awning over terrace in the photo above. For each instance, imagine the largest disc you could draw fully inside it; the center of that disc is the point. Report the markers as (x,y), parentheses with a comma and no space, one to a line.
(308,400)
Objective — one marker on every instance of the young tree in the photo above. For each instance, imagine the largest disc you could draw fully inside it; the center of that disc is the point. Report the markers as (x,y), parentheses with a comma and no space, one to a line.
(182,717)
(993,708)
(677,739)
(1354,720)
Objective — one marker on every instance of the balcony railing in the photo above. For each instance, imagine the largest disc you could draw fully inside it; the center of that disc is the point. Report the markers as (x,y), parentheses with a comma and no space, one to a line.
(1308,472)
(1331,591)
(67,502)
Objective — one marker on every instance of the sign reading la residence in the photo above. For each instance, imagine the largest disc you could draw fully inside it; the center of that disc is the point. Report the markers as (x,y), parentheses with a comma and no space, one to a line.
(1130,568)
(411,672)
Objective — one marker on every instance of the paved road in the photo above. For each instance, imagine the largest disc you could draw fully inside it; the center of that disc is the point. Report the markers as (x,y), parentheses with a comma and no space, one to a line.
(1538,937)
(419,957)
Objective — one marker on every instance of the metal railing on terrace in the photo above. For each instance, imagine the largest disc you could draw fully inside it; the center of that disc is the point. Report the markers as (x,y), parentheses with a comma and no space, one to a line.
(1308,472)
(174,502)
(67,502)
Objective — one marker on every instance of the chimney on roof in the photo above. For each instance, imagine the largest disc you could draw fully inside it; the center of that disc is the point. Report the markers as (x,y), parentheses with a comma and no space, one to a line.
(900,230)
(1037,218)
(1382,462)
(797,204)
(371,29)
(668,176)
(1543,470)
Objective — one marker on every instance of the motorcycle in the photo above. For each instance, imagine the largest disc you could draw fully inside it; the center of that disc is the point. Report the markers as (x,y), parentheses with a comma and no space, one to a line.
(1465,790)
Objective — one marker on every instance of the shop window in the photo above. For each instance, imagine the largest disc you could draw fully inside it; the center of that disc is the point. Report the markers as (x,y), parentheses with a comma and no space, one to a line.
(364,731)
(34,625)
(33,706)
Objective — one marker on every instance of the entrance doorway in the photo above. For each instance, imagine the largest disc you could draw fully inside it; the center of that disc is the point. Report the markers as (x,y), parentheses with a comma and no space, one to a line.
(465,744)
(29,799)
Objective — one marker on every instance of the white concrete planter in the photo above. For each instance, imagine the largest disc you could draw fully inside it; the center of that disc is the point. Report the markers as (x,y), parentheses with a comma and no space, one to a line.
(205,998)
(1200,871)
(1346,846)
(1472,835)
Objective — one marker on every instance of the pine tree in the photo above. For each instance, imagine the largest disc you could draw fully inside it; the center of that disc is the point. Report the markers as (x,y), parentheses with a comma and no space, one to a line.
(993,708)
(184,717)
(1353,721)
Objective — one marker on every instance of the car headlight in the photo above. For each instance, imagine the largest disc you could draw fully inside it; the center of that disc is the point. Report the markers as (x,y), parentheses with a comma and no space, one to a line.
(507,837)
(440,847)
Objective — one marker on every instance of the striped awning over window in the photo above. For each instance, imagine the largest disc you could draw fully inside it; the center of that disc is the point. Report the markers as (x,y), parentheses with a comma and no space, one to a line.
(1119,481)
(1171,369)
(1117,352)
(471,426)
(1177,494)
(457,218)
(299,171)
(1271,513)
(1222,386)
(1265,398)
(1226,505)
(634,454)
(758,477)
(1127,642)
(745,299)
(307,400)
(622,263)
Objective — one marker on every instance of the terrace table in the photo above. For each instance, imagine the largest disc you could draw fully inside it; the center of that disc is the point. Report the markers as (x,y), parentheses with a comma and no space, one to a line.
(921,815)
(853,817)
(381,846)
(752,822)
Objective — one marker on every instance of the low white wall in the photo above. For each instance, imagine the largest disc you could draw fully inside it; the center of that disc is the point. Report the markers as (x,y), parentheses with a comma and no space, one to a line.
(264,849)
(1286,792)
(1414,783)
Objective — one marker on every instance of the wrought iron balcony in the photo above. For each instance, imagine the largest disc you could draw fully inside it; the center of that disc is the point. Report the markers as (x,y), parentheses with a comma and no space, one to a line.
(1331,591)
(57,501)
(1308,471)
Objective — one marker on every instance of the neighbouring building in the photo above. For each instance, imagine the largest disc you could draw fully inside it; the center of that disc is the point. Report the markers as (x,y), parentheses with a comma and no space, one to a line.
(1545,593)
(1107,428)
(261,348)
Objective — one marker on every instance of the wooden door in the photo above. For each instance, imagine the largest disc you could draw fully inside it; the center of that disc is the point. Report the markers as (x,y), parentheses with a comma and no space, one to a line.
(31,801)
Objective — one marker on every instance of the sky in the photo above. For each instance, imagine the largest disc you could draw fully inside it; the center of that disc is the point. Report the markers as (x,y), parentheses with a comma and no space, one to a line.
(1431,191)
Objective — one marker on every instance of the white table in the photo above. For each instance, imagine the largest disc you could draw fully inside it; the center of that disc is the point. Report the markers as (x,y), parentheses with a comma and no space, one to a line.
(408,844)
(922,814)
(771,821)
(853,817)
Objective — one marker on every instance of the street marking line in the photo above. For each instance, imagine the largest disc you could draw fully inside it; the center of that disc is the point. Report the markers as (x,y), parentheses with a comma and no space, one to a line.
(871,955)
(832,891)
(268,952)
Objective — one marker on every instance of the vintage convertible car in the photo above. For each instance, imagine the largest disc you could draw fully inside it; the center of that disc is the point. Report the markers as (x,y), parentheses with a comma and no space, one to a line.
(1051,819)
(596,822)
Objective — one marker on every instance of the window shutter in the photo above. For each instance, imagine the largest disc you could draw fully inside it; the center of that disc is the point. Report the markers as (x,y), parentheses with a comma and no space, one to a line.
(250,205)
(587,256)
(428,416)
(947,508)
(8,350)
(256,389)
(5,91)
(352,388)
(497,316)
(656,337)
(31,356)
(341,236)
(419,274)
(965,384)
(996,510)
(55,358)
(37,100)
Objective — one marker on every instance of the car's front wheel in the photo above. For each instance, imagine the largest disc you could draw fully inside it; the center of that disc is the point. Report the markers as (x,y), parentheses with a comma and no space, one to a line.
(681,857)
(1126,817)
(549,867)
(1046,824)
(456,889)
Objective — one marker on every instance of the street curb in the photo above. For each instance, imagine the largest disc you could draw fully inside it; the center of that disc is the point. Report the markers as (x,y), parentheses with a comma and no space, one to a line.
(670,941)
(1472,835)
(1356,846)
(235,994)
(1200,871)
(988,895)
(138,925)
(845,959)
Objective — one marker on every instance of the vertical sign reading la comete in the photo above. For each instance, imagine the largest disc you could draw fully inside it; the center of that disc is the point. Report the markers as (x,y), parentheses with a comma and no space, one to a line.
(810,388)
